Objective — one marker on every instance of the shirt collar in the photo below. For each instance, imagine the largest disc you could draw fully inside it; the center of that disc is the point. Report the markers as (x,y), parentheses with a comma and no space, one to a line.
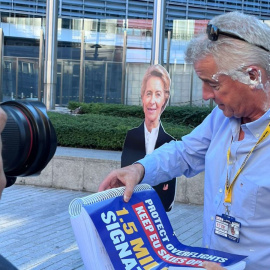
(256,127)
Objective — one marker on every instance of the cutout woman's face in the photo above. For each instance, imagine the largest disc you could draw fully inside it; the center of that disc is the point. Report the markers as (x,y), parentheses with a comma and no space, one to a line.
(153,100)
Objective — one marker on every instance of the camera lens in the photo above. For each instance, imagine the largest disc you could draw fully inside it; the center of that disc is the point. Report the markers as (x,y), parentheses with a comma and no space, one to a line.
(29,139)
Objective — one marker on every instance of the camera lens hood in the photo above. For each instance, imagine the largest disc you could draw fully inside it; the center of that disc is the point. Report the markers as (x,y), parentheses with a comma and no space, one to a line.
(29,139)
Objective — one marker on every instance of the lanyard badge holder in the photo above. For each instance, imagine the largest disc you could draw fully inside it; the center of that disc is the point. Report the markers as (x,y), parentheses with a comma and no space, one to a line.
(226,226)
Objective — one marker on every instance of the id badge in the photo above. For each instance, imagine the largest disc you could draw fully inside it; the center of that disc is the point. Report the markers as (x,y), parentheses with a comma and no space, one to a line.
(227,227)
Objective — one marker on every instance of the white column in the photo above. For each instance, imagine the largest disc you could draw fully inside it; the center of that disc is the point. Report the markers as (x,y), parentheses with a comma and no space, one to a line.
(157,55)
(50,70)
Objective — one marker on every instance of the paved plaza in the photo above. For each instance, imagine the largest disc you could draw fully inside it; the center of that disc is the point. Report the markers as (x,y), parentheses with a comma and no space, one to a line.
(35,229)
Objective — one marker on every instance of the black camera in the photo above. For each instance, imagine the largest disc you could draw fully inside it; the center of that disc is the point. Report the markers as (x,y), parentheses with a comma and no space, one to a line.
(28,140)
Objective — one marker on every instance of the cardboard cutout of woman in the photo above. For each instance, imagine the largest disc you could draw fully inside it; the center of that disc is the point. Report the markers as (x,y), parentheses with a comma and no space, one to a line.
(140,141)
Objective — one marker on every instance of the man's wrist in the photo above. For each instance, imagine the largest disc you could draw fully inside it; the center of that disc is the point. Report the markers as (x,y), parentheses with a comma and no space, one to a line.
(141,171)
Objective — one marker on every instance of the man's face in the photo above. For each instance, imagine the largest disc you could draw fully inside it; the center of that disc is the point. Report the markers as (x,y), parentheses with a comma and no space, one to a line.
(153,100)
(232,97)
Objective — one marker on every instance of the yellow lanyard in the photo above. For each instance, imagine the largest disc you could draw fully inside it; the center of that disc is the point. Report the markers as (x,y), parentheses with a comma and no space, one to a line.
(229,187)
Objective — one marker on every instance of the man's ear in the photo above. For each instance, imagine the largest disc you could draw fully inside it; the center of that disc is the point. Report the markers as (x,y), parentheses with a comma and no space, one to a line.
(254,73)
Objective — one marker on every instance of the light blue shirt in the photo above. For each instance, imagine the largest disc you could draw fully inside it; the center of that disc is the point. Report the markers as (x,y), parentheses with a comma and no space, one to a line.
(205,148)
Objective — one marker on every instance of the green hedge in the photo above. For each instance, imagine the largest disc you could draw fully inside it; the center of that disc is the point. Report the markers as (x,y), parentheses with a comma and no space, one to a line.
(188,115)
(101,131)
(108,109)
(104,126)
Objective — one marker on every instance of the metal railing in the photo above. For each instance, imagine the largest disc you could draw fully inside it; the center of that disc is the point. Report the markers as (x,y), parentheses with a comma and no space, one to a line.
(102,82)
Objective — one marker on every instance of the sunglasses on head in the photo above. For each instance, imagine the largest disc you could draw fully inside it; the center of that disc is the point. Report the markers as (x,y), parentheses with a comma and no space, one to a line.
(213,33)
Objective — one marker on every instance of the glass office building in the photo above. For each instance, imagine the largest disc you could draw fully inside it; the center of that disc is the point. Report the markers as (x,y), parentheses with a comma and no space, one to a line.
(110,70)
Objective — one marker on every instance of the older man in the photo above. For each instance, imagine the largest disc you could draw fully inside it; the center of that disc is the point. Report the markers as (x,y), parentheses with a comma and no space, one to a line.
(232,144)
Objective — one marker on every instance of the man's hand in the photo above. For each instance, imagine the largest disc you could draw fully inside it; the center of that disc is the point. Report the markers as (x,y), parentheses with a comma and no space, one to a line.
(128,176)
(3,181)
(212,266)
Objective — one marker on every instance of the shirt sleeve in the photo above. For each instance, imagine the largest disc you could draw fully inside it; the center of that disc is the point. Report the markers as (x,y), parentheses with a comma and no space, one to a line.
(186,157)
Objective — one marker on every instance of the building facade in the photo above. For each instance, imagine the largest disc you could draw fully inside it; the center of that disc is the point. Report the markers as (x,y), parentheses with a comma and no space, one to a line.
(112,65)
